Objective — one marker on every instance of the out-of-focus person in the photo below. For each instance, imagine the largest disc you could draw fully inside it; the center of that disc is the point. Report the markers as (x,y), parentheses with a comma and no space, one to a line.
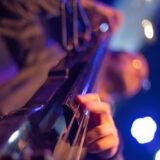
(123,74)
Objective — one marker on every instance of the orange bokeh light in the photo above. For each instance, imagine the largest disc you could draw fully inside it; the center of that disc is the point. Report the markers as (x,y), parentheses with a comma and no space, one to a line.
(137,64)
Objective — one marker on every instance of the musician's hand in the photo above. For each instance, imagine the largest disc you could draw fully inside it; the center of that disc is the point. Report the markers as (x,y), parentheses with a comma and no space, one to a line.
(102,137)
(113,16)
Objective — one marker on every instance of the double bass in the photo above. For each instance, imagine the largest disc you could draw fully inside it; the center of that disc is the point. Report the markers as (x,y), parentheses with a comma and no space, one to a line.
(57,127)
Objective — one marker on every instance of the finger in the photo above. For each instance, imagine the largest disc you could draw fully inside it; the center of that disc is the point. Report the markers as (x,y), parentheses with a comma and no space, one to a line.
(87,97)
(98,107)
(103,144)
(98,132)
(99,113)
(115,18)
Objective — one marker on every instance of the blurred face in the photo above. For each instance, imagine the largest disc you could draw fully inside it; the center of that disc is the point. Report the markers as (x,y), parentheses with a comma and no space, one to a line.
(131,76)
(123,75)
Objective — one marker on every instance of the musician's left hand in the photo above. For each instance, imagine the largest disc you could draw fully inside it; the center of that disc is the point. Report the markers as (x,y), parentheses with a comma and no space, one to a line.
(113,16)
(102,137)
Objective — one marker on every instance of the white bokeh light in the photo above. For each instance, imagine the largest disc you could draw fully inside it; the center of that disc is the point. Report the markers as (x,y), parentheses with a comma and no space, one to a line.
(13,137)
(148,28)
(157,156)
(104,27)
(143,129)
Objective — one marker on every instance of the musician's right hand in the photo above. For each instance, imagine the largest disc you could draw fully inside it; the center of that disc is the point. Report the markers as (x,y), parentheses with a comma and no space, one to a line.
(102,137)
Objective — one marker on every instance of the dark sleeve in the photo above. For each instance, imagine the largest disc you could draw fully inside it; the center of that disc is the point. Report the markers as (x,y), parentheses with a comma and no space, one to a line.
(117,156)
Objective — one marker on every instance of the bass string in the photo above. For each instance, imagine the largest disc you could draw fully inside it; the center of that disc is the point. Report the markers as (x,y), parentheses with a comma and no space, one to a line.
(71,124)
(83,138)
(76,147)
(74,152)
(63,140)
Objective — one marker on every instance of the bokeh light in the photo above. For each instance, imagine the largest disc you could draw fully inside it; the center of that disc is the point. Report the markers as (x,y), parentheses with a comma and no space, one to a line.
(146,84)
(148,28)
(104,27)
(157,156)
(13,137)
(143,129)
(137,64)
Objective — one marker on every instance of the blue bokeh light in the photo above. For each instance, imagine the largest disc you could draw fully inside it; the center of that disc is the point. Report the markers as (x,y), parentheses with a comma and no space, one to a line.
(104,27)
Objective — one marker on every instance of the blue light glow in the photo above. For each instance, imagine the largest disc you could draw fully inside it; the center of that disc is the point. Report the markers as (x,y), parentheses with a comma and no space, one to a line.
(86,112)
(37,109)
(146,85)
(143,129)
(104,27)
(85,89)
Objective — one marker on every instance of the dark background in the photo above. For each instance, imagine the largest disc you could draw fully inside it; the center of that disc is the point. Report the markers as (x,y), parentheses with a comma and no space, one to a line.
(146,103)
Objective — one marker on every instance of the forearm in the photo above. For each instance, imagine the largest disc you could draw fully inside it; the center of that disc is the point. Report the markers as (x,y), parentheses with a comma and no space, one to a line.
(117,156)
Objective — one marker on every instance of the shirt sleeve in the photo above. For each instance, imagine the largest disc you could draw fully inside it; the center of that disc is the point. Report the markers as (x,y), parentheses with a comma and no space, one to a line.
(117,156)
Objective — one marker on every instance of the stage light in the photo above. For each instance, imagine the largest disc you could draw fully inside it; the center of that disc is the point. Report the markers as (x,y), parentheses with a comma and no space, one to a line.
(148,29)
(13,137)
(157,156)
(143,129)
(137,64)
(104,27)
